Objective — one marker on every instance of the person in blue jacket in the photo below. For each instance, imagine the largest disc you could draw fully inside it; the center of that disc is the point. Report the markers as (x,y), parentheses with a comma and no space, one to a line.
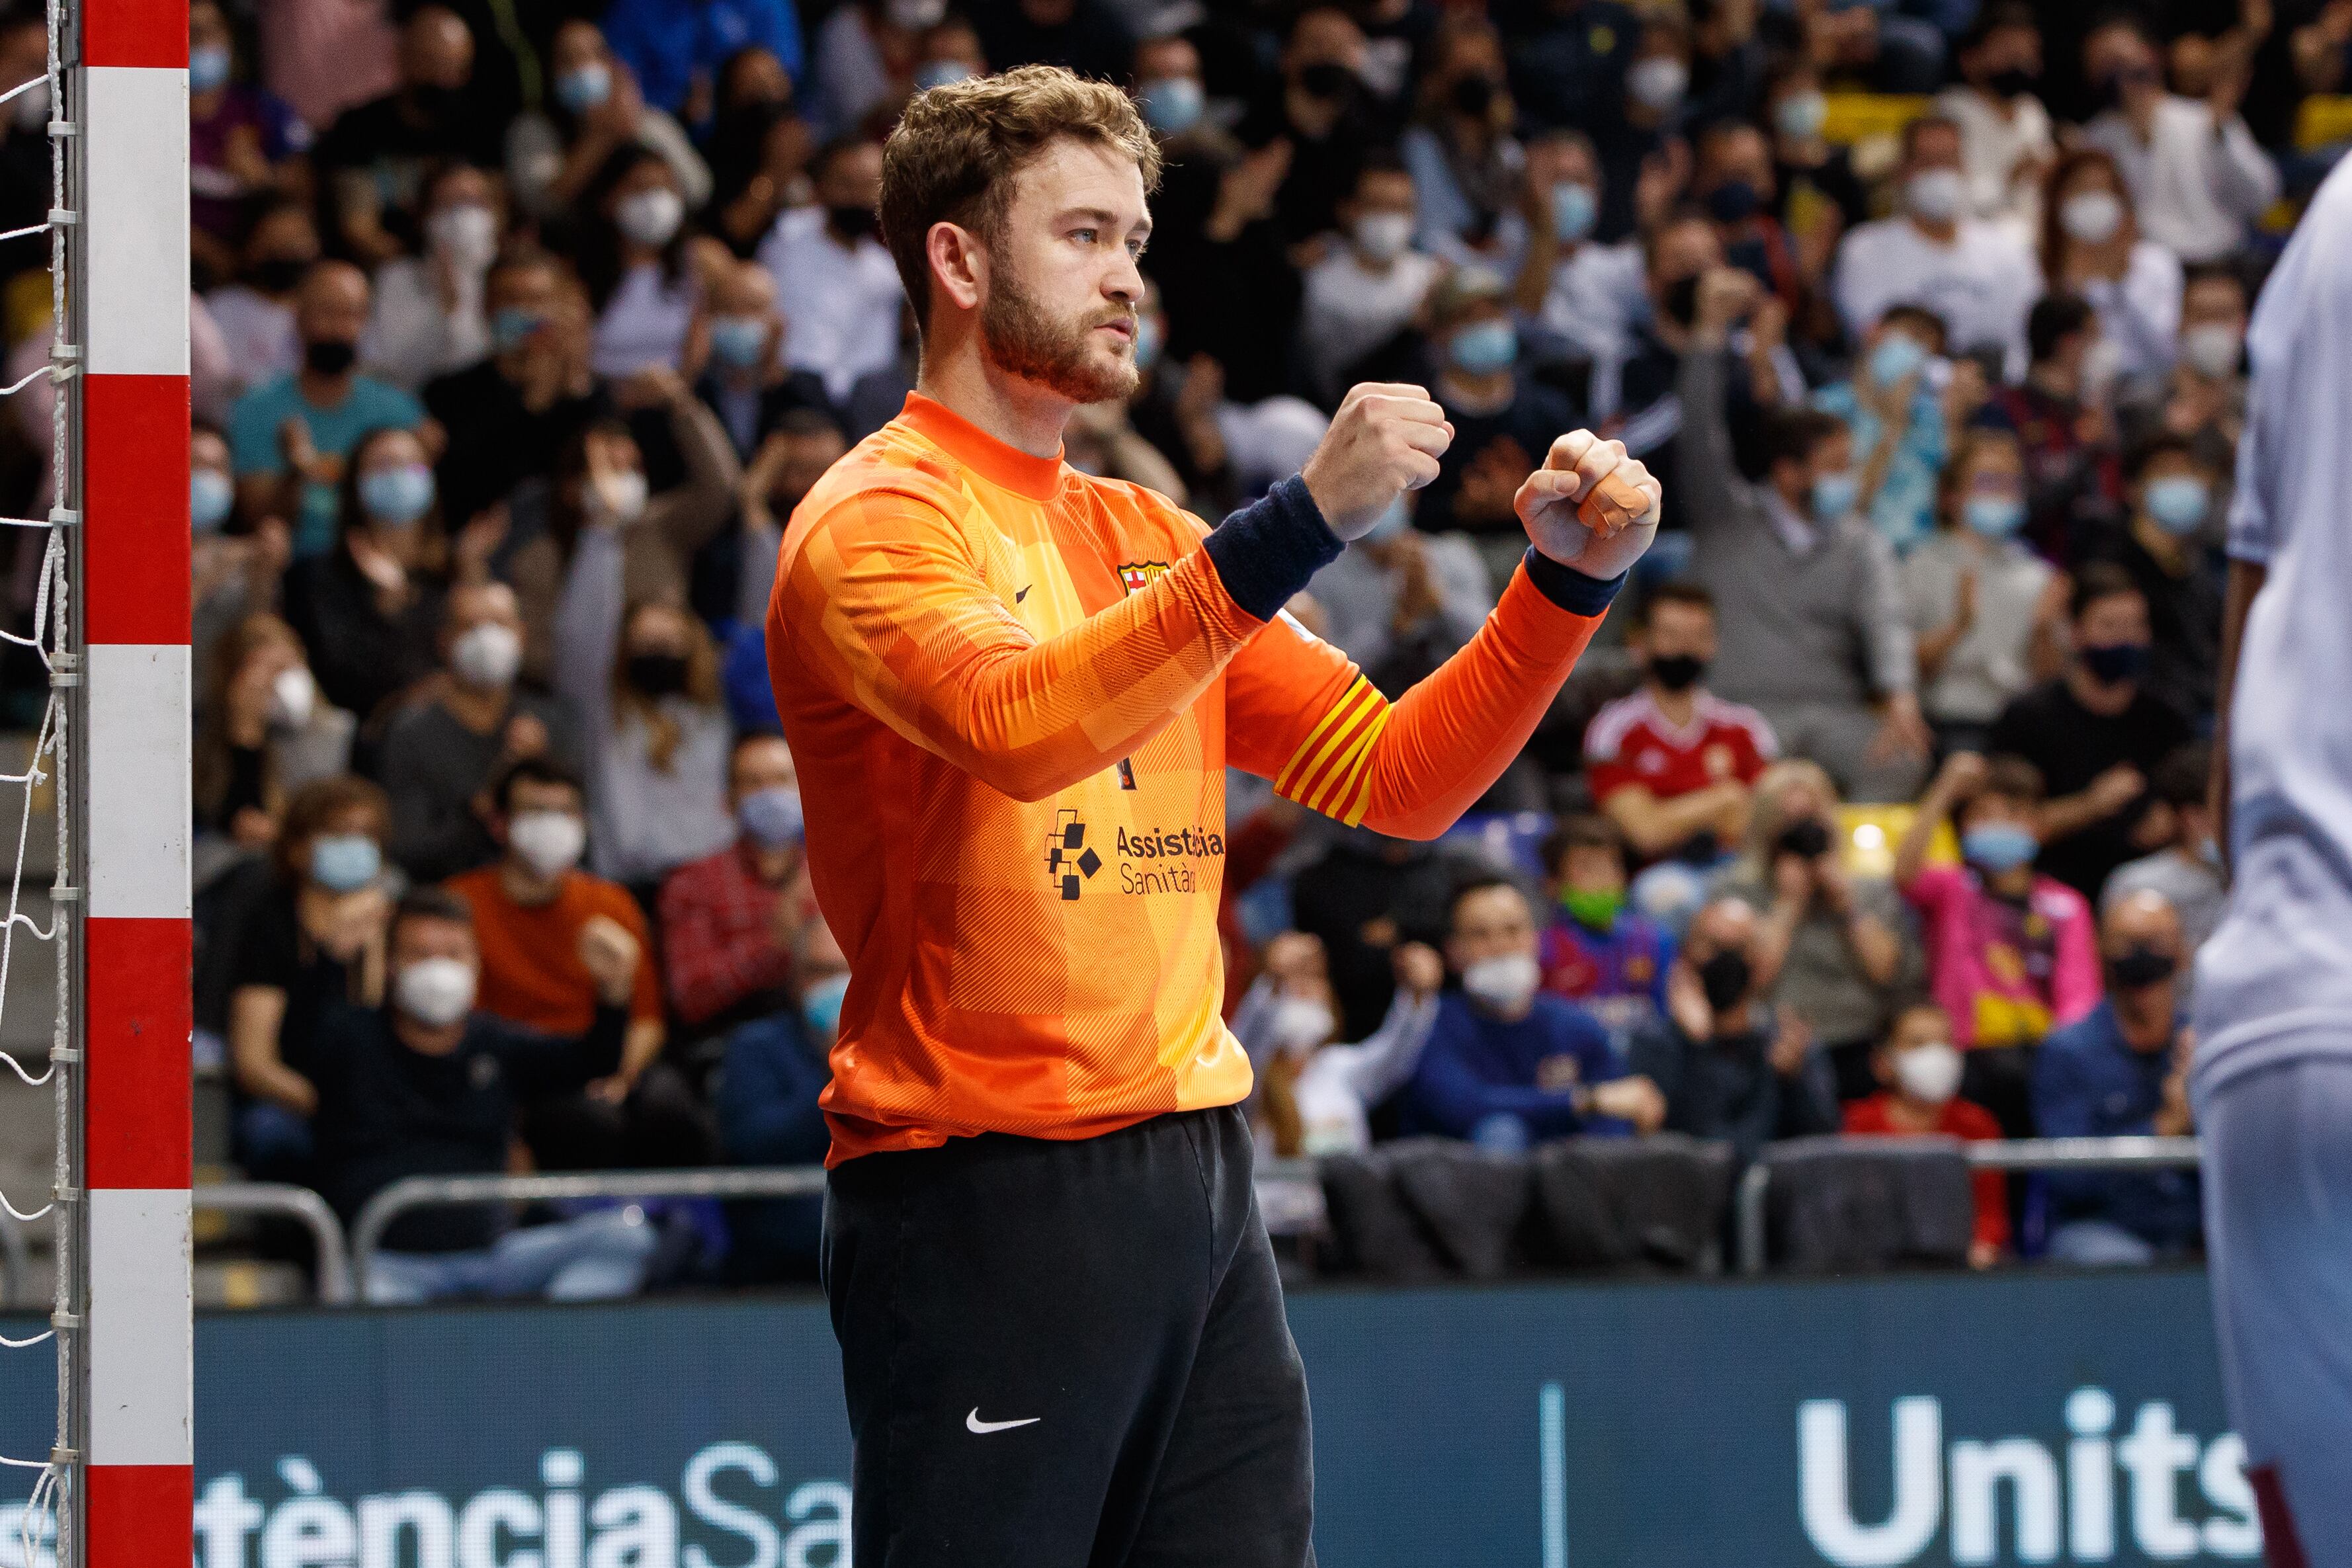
(1509,1065)
(771,1075)
(670,44)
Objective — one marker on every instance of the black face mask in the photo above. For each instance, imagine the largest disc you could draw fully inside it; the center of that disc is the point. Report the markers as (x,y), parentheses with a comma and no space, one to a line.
(330,356)
(657,674)
(278,274)
(1326,81)
(1677,672)
(2012,82)
(1680,300)
(2112,663)
(1475,95)
(2141,968)
(1733,202)
(1808,840)
(851,220)
(1724,978)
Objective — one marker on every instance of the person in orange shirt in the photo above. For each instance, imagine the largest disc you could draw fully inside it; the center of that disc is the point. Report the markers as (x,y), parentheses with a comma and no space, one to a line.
(1012,690)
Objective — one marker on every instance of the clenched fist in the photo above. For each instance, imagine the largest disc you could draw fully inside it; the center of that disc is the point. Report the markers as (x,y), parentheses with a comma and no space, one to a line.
(1591,506)
(1386,439)
(609,951)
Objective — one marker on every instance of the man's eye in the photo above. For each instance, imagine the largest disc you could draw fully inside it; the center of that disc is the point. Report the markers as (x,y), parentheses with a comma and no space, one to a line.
(1084,237)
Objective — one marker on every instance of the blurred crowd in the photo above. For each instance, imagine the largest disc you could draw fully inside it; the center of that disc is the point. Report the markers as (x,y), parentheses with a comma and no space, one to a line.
(519,330)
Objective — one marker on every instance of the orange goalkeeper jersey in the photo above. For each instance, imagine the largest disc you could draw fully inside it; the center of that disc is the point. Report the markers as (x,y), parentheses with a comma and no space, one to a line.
(1012,690)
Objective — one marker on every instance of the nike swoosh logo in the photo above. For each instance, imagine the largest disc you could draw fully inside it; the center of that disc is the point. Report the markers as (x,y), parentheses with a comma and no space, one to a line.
(1017,598)
(972,1423)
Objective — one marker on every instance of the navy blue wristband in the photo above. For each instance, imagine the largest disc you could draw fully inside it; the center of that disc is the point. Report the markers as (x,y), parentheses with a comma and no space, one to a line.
(1267,551)
(1571,589)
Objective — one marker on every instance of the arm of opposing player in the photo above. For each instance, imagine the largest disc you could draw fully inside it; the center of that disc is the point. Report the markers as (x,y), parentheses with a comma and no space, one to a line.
(887,598)
(1299,713)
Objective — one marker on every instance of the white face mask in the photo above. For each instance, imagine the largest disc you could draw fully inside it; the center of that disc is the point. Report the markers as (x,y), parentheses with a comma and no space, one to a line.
(1659,82)
(2092,216)
(651,217)
(619,497)
(1383,236)
(1300,1023)
(1503,984)
(1929,1074)
(1935,195)
(468,234)
(2212,350)
(293,697)
(549,841)
(487,655)
(436,992)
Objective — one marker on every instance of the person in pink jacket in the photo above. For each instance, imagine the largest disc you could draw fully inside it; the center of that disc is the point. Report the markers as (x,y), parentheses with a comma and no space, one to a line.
(2011,954)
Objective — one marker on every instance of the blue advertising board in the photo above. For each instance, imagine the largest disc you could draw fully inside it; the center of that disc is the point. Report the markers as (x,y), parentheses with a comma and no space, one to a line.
(2026,1417)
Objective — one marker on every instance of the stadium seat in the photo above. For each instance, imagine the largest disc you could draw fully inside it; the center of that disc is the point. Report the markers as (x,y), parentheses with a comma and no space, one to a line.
(1850,1204)
(1657,1203)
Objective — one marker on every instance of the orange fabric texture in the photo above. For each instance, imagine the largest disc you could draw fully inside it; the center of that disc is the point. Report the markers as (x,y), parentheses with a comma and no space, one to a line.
(531,972)
(1012,691)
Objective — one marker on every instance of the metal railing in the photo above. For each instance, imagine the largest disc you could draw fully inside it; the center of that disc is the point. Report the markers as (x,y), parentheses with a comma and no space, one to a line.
(2018,1154)
(333,1286)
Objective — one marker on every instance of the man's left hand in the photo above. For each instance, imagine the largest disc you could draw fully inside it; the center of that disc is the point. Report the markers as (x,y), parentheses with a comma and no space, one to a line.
(1591,506)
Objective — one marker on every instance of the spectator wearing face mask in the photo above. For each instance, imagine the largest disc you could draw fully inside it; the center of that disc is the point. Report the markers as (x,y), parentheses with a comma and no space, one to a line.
(230,576)
(2204,397)
(1173,94)
(1504,419)
(2006,144)
(2122,1071)
(2074,471)
(2176,504)
(730,919)
(2186,872)
(1581,293)
(1832,947)
(1315,1092)
(1638,118)
(759,150)
(1672,764)
(1369,290)
(1990,614)
(255,311)
(2095,732)
(314,937)
(1979,279)
(532,913)
(510,414)
(262,733)
(769,1080)
(1820,196)
(430,317)
(1467,166)
(748,384)
(1507,1065)
(1815,633)
(426,1085)
(442,752)
(1732,182)
(2091,246)
(372,162)
(2195,171)
(1918,1069)
(1594,951)
(635,263)
(599,489)
(675,47)
(592,110)
(1400,603)
(242,142)
(1328,116)
(1890,406)
(1640,396)
(1730,1070)
(291,437)
(2012,953)
(372,605)
(834,282)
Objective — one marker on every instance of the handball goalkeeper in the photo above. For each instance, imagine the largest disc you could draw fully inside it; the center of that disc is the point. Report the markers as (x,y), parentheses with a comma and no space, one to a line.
(1013,691)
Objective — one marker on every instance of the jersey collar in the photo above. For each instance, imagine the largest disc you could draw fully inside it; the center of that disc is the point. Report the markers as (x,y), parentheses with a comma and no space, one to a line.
(1008,468)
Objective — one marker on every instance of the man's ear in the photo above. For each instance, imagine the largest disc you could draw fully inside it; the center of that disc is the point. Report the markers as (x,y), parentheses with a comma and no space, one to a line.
(959,264)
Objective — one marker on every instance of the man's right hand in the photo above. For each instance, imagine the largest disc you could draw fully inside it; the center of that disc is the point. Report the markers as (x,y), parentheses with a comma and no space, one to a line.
(1386,439)
(609,951)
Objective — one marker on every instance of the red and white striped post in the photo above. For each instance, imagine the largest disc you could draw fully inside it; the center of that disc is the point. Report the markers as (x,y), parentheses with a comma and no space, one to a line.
(133,109)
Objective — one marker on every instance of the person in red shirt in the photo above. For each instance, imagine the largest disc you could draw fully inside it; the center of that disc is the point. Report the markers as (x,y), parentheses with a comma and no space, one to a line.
(1920,1067)
(1672,764)
(728,920)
